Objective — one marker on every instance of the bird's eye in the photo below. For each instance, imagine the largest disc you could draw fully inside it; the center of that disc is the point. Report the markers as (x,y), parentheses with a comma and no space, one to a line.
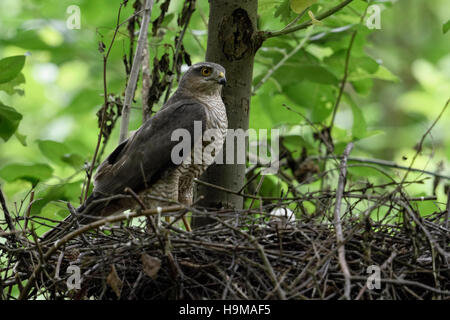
(206,71)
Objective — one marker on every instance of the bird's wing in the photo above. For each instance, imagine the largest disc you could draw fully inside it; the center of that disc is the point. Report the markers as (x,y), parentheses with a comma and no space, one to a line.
(143,158)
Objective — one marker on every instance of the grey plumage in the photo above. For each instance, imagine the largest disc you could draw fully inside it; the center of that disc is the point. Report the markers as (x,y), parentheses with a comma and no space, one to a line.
(143,161)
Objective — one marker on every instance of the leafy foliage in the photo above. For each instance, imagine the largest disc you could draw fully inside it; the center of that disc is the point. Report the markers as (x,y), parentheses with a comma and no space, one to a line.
(397,80)
(32,173)
(9,121)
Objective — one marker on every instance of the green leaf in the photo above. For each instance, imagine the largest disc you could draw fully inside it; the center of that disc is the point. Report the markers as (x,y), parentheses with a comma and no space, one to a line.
(59,153)
(383,73)
(365,63)
(167,19)
(446,27)
(365,172)
(53,150)
(363,87)
(9,121)
(22,138)
(10,67)
(67,192)
(289,74)
(28,172)
(359,128)
(283,11)
(10,86)
(298,6)
(317,98)
(73,159)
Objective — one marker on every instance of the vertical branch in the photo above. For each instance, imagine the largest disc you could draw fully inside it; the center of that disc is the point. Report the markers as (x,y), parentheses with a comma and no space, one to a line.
(346,70)
(132,80)
(105,105)
(8,219)
(146,82)
(344,79)
(337,219)
(189,11)
(422,140)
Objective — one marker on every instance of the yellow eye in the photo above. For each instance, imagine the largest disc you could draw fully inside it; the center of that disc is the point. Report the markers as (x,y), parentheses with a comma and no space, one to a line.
(206,71)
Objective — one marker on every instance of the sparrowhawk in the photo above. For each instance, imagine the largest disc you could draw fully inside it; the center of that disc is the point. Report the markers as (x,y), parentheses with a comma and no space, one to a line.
(144,161)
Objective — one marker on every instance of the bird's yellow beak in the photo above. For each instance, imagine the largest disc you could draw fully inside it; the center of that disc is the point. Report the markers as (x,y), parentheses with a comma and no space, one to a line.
(222,79)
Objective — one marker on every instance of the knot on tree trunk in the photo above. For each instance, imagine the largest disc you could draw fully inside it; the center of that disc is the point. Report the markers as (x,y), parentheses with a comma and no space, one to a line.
(236,35)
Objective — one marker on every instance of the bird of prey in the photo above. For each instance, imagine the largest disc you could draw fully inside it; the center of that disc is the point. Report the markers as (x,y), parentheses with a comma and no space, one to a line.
(144,161)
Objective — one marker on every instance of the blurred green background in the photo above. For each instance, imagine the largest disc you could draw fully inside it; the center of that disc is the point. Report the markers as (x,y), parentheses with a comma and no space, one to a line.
(399,82)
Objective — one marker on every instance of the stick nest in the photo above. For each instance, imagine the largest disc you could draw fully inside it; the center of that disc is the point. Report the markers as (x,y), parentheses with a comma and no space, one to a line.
(241,255)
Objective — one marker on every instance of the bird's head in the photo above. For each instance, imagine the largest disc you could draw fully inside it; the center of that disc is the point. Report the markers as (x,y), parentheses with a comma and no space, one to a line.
(204,78)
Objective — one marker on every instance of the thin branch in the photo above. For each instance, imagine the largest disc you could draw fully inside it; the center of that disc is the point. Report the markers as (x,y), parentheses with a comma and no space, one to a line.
(385,163)
(425,231)
(105,106)
(6,213)
(175,55)
(309,197)
(28,211)
(420,145)
(132,80)
(447,210)
(267,266)
(337,220)
(269,34)
(344,79)
(297,19)
(403,282)
(346,68)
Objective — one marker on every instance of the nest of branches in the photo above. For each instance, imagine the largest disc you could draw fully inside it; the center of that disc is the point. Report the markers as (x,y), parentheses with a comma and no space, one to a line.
(248,254)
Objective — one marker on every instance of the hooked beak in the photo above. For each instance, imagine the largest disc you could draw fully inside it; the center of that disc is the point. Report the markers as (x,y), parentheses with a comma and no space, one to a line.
(222,80)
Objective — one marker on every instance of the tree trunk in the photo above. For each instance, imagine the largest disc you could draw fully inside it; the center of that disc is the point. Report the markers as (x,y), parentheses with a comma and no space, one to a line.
(232,32)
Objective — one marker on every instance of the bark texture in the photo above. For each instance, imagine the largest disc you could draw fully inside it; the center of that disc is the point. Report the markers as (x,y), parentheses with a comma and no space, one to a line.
(232,42)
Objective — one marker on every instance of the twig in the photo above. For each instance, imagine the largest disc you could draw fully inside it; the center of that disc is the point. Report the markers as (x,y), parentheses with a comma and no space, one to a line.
(132,80)
(6,213)
(175,55)
(386,163)
(268,267)
(337,220)
(269,34)
(344,79)
(27,213)
(433,242)
(105,106)
(382,267)
(420,144)
(297,18)
(346,68)
(404,283)
(329,147)
(447,210)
